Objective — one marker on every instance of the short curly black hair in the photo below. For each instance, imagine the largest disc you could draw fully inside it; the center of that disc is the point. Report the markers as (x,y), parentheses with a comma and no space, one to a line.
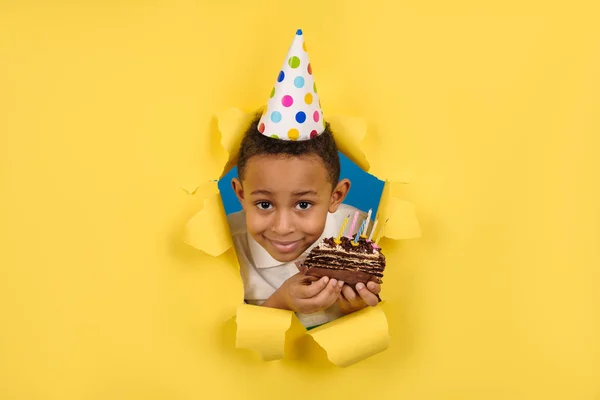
(255,143)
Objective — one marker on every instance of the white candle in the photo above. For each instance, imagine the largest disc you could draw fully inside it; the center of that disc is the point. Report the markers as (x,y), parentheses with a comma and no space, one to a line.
(373,229)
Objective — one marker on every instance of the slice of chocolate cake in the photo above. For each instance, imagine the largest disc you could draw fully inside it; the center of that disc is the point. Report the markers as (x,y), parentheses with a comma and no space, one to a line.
(351,262)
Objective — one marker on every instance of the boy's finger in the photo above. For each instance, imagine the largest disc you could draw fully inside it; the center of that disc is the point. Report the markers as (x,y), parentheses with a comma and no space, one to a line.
(299,287)
(351,296)
(307,279)
(344,304)
(374,287)
(366,295)
(314,288)
(329,295)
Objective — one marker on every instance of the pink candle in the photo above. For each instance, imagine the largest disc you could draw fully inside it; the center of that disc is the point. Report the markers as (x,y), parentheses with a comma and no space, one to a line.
(353,225)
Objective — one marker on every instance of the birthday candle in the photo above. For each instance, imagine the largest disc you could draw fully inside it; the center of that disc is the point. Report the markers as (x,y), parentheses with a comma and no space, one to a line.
(358,233)
(368,220)
(373,230)
(353,225)
(343,228)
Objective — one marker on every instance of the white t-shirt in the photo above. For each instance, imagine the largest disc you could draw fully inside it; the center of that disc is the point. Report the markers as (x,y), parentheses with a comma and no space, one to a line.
(262,274)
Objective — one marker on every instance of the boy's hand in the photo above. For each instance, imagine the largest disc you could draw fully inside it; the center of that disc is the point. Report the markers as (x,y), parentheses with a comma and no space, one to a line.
(351,300)
(306,294)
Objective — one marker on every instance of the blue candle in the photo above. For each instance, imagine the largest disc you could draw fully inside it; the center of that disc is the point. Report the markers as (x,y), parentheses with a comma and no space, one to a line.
(359,231)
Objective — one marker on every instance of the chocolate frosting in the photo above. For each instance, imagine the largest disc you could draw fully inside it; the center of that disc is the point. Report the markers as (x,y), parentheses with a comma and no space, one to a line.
(346,243)
(318,265)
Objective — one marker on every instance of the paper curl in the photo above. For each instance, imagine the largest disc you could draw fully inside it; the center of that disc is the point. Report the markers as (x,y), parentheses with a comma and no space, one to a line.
(355,337)
(216,240)
(263,330)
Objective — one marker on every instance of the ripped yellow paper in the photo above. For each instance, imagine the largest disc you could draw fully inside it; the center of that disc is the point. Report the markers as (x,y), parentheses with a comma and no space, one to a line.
(263,330)
(346,341)
(355,337)
(266,331)
(397,217)
(208,230)
(231,124)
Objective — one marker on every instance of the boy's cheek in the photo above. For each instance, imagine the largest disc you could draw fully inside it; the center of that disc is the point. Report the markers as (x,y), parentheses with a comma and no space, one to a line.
(315,226)
(255,223)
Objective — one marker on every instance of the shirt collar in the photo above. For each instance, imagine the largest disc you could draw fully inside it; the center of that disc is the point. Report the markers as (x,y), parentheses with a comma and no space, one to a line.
(262,258)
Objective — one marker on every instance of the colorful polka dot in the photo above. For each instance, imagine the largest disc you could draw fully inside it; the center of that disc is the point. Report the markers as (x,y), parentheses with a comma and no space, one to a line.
(276,116)
(300,117)
(287,101)
(293,134)
(293,86)
(299,82)
(294,62)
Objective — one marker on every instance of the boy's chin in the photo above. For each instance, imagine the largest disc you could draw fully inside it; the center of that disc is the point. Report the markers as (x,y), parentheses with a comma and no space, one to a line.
(285,257)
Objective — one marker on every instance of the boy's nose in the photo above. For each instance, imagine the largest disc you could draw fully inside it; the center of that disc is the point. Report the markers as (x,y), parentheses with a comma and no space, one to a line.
(283,224)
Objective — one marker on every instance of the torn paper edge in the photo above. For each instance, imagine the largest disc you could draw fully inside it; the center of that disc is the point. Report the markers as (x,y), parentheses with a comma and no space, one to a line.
(231,135)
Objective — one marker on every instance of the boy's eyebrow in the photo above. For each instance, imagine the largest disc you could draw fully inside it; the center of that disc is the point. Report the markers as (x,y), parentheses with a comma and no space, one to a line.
(261,191)
(266,192)
(304,193)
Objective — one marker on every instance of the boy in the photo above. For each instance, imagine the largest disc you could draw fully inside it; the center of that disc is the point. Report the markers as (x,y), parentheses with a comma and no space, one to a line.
(291,197)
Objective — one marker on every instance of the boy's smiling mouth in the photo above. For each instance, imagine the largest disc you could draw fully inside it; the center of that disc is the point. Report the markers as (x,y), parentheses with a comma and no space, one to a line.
(284,246)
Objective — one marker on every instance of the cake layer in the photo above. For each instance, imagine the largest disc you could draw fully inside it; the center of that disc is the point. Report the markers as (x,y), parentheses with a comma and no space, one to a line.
(325,266)
(349,277)
(358,257)
(345,260)
(336,265)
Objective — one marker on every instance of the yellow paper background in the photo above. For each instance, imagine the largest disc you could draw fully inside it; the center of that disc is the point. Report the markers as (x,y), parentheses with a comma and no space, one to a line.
(489,110)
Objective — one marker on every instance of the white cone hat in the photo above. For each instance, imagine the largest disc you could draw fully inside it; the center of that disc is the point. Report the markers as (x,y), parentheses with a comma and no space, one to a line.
(294,110)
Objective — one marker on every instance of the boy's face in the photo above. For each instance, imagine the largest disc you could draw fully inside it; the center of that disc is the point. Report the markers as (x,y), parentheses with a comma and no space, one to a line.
(286,200)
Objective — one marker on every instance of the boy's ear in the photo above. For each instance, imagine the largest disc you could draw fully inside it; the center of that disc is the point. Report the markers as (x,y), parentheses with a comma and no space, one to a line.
(339,194)
(236,185)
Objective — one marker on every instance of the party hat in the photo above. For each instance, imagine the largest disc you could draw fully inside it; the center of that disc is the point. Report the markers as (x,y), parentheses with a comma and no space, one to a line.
(294,110)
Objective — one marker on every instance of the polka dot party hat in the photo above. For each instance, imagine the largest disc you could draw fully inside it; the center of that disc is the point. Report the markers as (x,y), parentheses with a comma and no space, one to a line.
(294,110)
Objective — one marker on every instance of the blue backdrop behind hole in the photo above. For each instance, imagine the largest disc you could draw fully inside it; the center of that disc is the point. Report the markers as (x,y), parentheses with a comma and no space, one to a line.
(365,190)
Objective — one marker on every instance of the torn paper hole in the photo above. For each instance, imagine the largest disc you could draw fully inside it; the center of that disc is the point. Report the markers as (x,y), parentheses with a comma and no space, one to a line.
(264,329)
(216,240)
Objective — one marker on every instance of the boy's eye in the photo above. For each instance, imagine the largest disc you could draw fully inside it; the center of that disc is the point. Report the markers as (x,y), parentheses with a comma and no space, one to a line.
(304,205)
(263,205)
